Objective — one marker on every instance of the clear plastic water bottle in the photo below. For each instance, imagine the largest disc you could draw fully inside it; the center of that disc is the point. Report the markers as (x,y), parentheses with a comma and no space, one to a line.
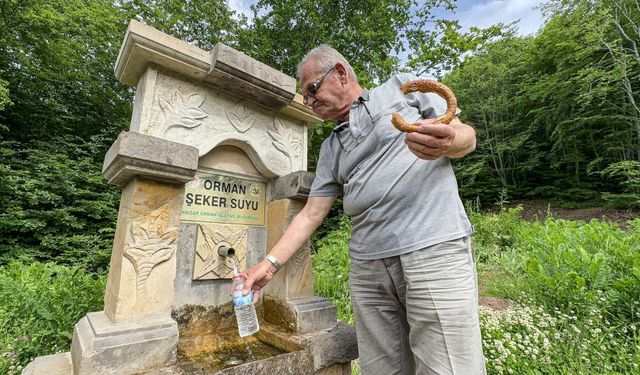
(244,309)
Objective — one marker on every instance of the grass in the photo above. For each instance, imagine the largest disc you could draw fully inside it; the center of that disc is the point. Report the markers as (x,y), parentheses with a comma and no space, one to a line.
(574,287)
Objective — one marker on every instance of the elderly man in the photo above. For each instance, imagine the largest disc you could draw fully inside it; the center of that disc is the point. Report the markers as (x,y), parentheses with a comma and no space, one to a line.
(412,279)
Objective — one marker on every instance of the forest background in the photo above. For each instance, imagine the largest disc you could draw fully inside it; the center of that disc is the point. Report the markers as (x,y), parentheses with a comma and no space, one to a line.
(557,113)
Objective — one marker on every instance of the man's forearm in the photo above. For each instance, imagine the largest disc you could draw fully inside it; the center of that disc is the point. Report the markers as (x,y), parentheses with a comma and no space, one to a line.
(301,228)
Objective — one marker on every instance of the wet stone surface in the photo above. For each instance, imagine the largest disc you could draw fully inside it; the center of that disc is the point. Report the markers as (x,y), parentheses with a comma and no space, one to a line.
(229,357)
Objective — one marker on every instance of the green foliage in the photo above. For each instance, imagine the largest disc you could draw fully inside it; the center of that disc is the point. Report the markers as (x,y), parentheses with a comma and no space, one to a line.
(317,134)
(623,299)
(530,340)
(57,57)
(40,304)
(4,94)
(54,203)
(438,45)
(626,174)
(331,268)
(621,200)
(494,233)
(202,23)
(622,42)
(345,25)
(571,266)
(553,110)
(487,87)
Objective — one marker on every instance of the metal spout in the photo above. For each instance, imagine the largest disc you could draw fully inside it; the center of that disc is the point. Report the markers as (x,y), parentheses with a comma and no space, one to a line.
(225,251)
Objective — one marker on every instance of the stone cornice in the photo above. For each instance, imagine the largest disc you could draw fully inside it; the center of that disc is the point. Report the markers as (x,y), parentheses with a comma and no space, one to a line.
(223,67)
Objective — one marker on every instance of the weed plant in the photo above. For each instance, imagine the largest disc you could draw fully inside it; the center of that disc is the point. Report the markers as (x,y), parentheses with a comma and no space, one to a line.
(576,266)
(39,305)
(494,233)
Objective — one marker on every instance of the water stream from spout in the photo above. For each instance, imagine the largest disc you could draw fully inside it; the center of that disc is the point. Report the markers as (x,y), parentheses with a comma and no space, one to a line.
(234,264)
(250,357)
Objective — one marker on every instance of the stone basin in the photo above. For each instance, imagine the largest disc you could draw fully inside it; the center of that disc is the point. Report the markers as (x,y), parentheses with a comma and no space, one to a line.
(231,356)
(210,345)
(264,353)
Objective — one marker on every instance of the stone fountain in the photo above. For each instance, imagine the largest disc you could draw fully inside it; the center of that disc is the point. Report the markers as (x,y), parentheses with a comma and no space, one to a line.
(215,157)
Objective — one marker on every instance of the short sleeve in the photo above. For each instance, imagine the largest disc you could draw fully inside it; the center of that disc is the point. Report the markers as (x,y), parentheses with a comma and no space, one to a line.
(325,183)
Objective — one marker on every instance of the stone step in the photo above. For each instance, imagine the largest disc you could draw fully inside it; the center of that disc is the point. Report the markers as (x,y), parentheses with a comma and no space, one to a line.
(55,364)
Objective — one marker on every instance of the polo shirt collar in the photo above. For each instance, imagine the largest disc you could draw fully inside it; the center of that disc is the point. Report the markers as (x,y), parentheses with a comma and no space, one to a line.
(341,125)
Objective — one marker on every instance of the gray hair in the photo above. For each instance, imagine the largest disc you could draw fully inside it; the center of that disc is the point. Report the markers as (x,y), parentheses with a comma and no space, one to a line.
(325,57)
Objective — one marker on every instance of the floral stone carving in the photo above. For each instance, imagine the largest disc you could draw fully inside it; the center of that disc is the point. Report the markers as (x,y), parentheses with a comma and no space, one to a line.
(208,264)
(285,141)
(241,117)
(182,111)
(149,243)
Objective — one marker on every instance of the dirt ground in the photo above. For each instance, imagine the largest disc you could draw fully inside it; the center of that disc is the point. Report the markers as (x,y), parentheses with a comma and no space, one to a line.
(495,303)
(539,208)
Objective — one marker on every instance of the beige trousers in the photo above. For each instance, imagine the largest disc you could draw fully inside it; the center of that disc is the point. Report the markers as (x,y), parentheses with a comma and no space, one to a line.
(417,313)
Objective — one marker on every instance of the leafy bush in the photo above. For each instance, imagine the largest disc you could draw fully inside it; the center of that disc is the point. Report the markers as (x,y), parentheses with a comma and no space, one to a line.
(626,174)
(624,262)
(331,268)
(39,305)
(494,232)
(55,204)
(576,266)
(621,200)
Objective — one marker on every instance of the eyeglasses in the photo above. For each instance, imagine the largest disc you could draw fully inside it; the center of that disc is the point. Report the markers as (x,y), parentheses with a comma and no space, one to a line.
(355,140)
(312,89)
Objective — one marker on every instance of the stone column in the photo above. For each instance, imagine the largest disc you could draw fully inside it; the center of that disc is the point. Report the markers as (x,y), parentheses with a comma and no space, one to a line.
(290,296)
(135,331)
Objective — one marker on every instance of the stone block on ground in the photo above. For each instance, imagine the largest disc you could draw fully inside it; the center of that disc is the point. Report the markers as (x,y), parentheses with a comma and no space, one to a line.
(303,315)
(55,364)
(102,347)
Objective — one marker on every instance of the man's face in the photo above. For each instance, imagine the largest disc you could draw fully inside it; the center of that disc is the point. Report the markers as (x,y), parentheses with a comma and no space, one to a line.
(328,102)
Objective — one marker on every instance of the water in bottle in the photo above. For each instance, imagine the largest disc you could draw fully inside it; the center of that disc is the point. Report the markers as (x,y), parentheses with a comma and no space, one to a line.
(243,306)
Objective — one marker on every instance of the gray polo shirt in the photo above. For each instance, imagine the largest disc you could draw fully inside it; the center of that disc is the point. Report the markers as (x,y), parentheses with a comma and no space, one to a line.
(397,202)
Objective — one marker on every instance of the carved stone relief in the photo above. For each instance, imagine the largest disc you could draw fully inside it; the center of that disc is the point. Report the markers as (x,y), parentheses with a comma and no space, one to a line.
(182,110)
(206,117)
(149,243)
(298,259)
(285,141)
(241,117)
(208,264)
(177,104)
(299,275)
